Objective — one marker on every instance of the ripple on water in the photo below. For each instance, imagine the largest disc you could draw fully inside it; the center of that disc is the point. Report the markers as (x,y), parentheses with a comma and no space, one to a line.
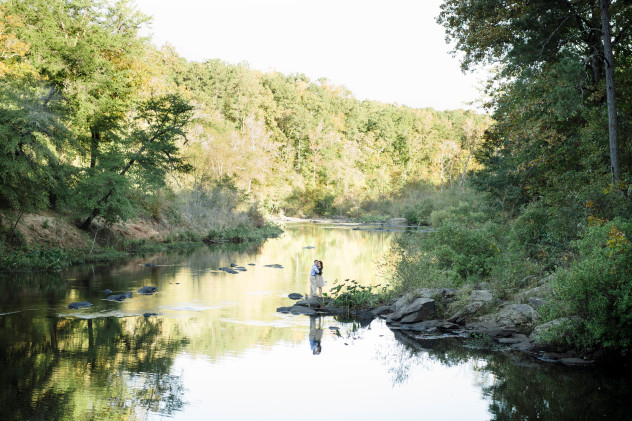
(196,307)
(100,314)
(267,323)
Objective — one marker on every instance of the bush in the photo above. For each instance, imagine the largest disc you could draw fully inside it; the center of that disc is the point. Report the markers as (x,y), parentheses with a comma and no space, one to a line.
(544,232)
(418,213)
(451,256)
(350,295)
(597,287)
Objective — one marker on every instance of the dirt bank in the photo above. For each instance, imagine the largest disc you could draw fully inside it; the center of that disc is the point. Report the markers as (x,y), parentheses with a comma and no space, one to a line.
(54,230)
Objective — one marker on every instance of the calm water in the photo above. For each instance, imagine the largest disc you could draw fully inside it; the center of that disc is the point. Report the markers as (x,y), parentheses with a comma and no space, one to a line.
(217,349)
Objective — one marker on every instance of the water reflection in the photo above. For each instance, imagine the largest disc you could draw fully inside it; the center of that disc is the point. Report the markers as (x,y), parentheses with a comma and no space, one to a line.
(217,342)
(519,387)
(315,334)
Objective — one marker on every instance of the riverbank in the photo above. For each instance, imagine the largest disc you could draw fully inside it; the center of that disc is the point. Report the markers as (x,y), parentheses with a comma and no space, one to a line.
(476,316)
(51,242)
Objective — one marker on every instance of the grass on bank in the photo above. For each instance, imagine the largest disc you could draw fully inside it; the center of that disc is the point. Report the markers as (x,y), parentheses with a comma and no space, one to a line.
(16,258)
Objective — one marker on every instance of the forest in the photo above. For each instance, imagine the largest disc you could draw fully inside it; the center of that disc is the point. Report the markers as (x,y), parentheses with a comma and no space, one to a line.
(100,126)
(98,122)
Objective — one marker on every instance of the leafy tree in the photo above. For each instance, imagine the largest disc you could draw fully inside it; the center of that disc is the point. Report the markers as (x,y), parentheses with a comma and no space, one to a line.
(32,135)
(150,152)
(90,53)
(532,36)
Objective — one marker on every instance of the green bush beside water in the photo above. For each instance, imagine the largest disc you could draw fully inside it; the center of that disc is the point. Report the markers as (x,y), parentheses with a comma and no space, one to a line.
(597,288)
(590,260)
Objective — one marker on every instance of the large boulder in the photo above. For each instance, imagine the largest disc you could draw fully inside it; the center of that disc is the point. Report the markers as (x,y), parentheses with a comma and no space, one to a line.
(297,310)
(402,302)
(517,315)
(466,313)
(481,295)
(429,326)
(539,292)
(419,310)
(381,311)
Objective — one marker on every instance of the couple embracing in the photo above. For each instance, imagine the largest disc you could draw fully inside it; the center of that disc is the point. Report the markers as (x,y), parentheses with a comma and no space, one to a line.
(316,280)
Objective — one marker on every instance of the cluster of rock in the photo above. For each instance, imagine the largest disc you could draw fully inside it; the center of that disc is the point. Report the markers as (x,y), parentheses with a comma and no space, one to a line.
(311,306)
(146,290)
(234,269)
(429,313)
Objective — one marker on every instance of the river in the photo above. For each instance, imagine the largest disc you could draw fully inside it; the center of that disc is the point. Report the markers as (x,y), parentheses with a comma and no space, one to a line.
(214,346)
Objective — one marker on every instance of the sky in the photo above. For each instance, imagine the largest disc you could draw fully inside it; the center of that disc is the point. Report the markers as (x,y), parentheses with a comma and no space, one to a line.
(389,51)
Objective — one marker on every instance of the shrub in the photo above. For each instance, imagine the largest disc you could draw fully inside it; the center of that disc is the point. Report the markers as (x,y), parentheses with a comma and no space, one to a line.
(544,232)
(351,295)
(418,213)
(597,287)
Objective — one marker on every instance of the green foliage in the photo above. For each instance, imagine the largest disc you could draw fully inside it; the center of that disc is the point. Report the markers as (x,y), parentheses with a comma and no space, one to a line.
(45,259)
(464,245)
(545,232)
(31,138)
(419,213)
(242,233)
(597,287)
(351,296)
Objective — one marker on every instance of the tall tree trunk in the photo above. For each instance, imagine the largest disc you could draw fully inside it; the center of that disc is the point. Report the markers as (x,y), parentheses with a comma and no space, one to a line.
(465,168)
(610,93)
(95,137)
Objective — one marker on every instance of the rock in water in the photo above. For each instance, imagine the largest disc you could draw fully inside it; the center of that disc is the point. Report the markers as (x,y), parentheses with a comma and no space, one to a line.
(80,304)
(295,296)
(147,290)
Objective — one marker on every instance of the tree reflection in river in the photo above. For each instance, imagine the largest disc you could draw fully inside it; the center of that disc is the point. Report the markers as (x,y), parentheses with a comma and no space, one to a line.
(76,368)
(217,338)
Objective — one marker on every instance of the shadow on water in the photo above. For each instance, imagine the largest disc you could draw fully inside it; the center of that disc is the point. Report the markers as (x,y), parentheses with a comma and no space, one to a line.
(520,387)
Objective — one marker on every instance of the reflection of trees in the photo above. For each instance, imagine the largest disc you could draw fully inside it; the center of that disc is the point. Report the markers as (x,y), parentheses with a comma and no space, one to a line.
(18,289)
(520,387)
(26,367)
(54,368)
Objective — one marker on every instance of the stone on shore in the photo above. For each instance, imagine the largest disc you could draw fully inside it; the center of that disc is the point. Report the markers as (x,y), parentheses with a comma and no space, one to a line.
(381,311)
(481,295)
(297,310)
(313,302)
(517,315)
(466,312)
(416,311)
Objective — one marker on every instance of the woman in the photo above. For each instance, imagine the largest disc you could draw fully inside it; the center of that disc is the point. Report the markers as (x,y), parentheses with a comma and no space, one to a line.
(320,281)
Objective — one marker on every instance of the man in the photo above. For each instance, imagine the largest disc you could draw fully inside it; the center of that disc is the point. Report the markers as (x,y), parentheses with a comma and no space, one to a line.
(312,279)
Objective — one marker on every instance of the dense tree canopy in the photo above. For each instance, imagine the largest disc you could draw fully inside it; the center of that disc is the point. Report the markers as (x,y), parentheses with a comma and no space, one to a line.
(93,120)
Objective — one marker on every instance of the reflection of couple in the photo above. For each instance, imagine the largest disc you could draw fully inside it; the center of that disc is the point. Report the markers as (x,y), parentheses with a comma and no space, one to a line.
(316,280)
(315,333)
